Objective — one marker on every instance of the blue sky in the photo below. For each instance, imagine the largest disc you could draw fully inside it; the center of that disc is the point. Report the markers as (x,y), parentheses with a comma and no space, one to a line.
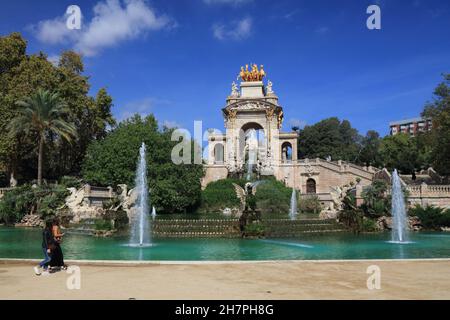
(177,58)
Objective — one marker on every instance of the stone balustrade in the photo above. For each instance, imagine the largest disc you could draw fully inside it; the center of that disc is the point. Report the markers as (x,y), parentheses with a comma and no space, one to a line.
(96,195)
(424,194)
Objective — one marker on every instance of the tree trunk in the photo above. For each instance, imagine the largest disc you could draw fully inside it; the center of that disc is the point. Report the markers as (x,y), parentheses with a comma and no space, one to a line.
(40,156)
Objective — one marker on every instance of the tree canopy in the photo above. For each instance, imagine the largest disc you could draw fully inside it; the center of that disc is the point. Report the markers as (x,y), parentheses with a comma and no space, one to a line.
(439,112)
(329,137)
(21,76)
(111,161)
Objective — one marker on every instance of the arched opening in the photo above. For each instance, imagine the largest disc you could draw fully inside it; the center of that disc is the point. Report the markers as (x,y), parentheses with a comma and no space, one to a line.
(218,153)
(310,186)
(286,152)
(252,144)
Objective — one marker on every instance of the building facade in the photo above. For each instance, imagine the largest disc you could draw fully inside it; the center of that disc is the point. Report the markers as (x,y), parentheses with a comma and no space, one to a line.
(410,126)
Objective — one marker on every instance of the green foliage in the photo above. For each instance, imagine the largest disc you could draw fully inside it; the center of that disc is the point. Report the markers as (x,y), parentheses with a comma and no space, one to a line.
(368,225)
(44,201)
(309,204)
(376,203)
(42,114)
(353,219)
(70,182)
(112,161)
(15,204)
(219,195)
(255,229)
(370,146)
(329,137)
(22,75)
(439,112)
(400,152)
(272,196)
(49,200)
(101,224)
(432,218)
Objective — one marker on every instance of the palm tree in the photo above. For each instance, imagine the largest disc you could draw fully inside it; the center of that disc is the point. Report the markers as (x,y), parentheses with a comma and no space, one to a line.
(42,113)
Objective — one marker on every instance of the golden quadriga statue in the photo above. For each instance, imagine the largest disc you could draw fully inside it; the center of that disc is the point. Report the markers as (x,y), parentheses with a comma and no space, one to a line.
(252,75)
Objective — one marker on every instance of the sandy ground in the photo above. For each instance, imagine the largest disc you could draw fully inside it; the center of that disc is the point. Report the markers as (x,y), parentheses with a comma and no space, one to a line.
(424,279)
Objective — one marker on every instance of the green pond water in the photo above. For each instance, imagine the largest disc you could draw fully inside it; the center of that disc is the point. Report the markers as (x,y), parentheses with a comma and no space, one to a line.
(25,243)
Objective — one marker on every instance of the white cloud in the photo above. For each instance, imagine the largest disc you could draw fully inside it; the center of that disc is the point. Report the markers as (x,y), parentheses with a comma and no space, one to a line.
(232,2)
(114,21)
(53,31)
(53,59)
(236,30)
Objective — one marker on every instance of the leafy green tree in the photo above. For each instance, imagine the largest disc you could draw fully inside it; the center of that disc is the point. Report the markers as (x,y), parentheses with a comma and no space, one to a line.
(329,137)
(42,114)
(400,152)
(369,154)
(22,75)
(376,203)
(111,161)
(12,55)
(439,112)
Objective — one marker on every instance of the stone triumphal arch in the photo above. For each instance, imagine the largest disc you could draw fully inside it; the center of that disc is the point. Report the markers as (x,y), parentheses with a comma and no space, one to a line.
(254,142)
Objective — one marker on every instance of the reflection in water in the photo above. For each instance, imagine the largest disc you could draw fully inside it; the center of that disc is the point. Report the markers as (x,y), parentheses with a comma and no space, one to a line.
(292,244)
(25,243)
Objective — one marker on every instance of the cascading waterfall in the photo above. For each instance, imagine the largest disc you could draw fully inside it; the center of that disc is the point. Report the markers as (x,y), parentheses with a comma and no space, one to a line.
(153,213)
(140,228)
(399,217)
(252,152)
(293,206)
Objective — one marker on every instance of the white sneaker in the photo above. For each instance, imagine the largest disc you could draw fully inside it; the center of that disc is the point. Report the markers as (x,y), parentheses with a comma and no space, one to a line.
(36,271)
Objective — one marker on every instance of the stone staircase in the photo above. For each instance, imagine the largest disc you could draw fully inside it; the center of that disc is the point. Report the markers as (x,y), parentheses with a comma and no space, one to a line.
(190,228)
(285,228)
(229,228)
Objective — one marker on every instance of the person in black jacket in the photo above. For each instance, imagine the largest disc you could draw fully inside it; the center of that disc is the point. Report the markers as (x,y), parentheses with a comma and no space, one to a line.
(57,258)
(47,244)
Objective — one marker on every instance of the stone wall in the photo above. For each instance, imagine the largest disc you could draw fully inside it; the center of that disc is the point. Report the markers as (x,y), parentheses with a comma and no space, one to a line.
(435,195)
(326,174)
(214,173)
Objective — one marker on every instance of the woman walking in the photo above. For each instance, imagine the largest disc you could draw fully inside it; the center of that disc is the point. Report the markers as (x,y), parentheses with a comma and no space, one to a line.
(57,260)
(47,245)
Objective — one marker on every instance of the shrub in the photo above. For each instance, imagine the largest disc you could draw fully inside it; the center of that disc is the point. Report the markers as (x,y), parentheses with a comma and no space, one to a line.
(353,219)
(15,204)
(272,196)
(70,182)
(376,203)
(119,217)
(219,195)
(310,204)
(368,225)
(50,200)
(44,201)
(101,224)
(254,230)
(431,217)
